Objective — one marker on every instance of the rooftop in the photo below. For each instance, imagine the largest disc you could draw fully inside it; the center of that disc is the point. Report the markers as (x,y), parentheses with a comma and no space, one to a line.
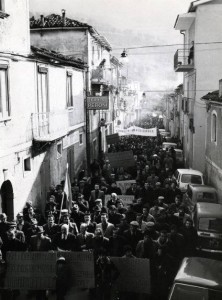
(61,21)
(196,3)
(213,96)
(57,58)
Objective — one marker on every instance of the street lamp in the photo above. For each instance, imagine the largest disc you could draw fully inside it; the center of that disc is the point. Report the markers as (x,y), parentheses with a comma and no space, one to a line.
(124,57)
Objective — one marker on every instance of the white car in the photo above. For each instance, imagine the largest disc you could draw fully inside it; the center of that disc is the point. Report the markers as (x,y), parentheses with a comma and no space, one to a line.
(168,145)
(184,177)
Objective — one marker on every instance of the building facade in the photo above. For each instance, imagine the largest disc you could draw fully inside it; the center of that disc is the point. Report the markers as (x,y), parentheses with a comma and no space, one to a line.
(73,38)
(213,158)
(42,121)
(200,62)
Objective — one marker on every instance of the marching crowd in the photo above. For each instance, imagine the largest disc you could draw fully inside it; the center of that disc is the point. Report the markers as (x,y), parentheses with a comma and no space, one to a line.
(156,225)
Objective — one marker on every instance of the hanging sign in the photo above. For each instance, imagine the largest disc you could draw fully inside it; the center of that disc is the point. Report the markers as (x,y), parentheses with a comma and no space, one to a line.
(97,103)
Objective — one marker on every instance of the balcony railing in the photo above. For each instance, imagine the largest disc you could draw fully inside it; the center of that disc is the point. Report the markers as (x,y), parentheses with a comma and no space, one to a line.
(183,61)
(49,126)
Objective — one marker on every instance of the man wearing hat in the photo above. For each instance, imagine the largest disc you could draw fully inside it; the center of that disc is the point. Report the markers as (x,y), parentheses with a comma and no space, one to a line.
(21,224)
(133,235)
(162,203)
(12,243)
(18,233)
(40,242)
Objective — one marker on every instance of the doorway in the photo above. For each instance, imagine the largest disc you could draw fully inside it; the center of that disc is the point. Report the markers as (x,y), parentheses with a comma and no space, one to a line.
(7,197)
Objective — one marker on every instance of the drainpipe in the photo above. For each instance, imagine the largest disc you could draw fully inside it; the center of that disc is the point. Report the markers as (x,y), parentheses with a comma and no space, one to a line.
(87,93)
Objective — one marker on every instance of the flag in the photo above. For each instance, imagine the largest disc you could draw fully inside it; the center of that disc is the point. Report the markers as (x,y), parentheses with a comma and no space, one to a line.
(68,190)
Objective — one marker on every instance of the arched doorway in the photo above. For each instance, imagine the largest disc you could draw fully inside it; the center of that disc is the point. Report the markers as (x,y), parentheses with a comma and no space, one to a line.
(7,197)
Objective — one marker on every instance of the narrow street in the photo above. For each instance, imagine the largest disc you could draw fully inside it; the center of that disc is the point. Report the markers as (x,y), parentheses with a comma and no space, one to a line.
(110,150)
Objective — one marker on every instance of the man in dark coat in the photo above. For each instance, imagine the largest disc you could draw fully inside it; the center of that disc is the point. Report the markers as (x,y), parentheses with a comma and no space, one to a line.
(40,242)
(65,240)
(99,242)
(51,228)
(116,244)
(106,274)
(133,235)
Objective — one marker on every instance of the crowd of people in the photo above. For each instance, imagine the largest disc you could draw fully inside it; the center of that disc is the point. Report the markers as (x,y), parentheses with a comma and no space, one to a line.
(156,225)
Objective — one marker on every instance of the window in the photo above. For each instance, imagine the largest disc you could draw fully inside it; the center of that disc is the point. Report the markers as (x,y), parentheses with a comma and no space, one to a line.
(69,90)
(184,292)
(214,127)
(4,93)
(43,105)
(59,150)
(80,139)
(27,164)
(2,10)
(210,224)
(188,178)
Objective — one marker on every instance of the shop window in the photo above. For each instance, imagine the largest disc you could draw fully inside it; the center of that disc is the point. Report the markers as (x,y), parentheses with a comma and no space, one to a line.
(27,164)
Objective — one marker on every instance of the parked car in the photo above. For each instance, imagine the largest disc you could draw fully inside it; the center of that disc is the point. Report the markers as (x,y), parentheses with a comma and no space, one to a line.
(207,218)
(165,133)
(168,145)
(179,157)
(198,279)
(199,193)
(184,177)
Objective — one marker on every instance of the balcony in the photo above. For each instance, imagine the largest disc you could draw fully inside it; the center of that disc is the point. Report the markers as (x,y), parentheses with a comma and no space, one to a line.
(182,62)
(50,126)
(101,76)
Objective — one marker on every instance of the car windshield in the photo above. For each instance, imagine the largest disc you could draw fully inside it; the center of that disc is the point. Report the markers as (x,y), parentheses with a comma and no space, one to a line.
(206,197)
(184,292)
(210,224)
(188,178)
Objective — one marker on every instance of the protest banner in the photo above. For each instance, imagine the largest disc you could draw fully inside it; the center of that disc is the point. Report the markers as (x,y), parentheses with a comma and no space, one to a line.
(133,130)
(123,159)
(126,199)
(124,185)
(30,270)
(112,138)
(134,275)
(81,268)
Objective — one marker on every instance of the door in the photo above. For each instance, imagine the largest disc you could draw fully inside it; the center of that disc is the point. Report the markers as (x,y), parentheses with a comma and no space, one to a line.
(7,197)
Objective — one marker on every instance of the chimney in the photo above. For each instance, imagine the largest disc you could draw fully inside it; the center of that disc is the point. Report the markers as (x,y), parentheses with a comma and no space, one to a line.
(63,17)
(42,21)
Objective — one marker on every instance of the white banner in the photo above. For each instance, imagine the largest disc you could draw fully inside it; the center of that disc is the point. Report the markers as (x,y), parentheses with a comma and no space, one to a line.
(134,130)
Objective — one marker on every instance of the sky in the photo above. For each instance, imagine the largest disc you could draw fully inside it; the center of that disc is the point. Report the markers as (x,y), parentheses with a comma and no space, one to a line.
(130,23)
